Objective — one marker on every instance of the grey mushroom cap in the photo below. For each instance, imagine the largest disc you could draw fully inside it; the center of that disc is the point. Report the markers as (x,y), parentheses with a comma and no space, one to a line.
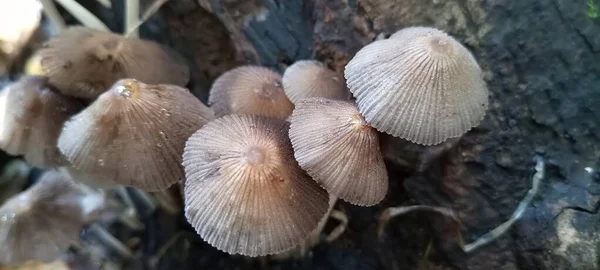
(338,149)
(420,85)
(244,192)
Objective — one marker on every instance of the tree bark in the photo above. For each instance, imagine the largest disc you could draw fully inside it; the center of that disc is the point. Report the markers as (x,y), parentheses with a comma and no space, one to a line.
(542,65)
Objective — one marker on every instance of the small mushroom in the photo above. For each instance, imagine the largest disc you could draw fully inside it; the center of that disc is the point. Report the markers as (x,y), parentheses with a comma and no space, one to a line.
(84,62)
(420,85)
(31,117)
(133,135)
(335,146)
(244,192)
(309,78)
(250,90)
(43,221)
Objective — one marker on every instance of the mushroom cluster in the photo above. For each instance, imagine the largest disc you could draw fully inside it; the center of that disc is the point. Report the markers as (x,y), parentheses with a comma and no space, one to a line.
(258,167)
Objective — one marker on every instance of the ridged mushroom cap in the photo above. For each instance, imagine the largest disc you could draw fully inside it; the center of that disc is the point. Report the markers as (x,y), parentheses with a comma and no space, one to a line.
(412,32)
(421,85)
(31,117)
(309,78)
(84,62)
(250,90)
(244,192)
(334,144)
(41,222)
(133,135)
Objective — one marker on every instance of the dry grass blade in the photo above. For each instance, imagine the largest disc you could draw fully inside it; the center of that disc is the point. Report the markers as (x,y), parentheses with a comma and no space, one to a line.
(401,210)
(517,214)
(152,9)
(132,18)
(53,15)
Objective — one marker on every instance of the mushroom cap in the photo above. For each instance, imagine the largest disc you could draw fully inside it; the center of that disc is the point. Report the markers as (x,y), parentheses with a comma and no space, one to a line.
(31,117)
(309,78)
(244,192)
(250,90)
(412,32)
(84,62)
(422,85)
(338,149)
(41,222)
(133,135)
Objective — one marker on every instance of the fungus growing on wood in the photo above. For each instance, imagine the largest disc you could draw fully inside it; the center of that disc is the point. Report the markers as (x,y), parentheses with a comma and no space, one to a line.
(43,221)
(335,146)
(133,135)
(421,85)
(84,62)
(250,90)
(31,117)
(309,78)
(244,192)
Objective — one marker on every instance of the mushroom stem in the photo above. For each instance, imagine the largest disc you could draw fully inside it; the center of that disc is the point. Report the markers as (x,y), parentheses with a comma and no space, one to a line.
(83,15)
(130,217)
(53,15)
(148,203)
(315,236)
(122,192)
(167,202)
(131,220)
(110,241)
(132,18)
(317,232)
(340,229)
(517,214)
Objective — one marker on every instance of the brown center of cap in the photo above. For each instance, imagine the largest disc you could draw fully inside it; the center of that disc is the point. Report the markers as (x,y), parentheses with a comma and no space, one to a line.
(441,45)
(128,88)
(269,90)
(358,122)
(255,155)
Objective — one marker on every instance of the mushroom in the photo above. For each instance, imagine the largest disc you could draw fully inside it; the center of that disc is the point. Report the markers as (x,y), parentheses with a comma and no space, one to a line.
(412,32)
(335,146)
(420,85)
(244,192)
(309,78)
(133,135)
(43,221)
(84,62)
(250,90)
(31,118)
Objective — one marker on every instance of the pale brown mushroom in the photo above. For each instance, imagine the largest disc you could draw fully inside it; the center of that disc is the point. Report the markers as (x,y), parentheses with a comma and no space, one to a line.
(31,117)
(310,78)
(43,221)
(250,90)
(133,135)
(335,146)
(420,85)
(84,62)
(244,192)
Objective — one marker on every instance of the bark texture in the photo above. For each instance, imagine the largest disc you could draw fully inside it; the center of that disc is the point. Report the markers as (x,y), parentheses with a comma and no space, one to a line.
(542,65)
